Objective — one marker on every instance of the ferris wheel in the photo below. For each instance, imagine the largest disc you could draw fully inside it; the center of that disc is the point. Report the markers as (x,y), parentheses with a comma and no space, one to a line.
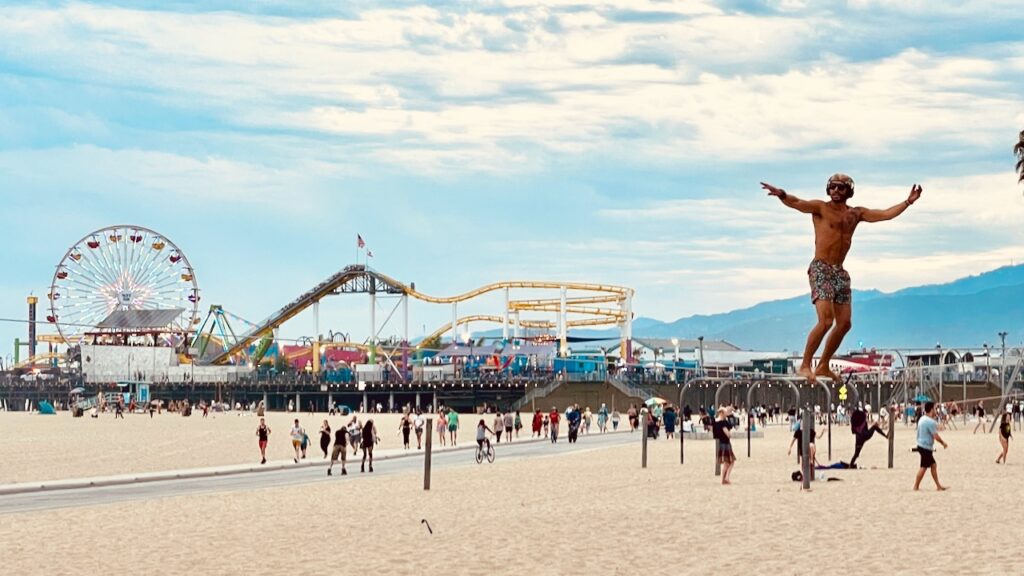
(122,268)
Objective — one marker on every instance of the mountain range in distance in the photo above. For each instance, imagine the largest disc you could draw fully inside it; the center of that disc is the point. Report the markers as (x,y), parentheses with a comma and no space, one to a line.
(967,312)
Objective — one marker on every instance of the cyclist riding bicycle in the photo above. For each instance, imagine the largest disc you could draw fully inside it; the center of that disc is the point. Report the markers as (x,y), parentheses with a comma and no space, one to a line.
(481,433)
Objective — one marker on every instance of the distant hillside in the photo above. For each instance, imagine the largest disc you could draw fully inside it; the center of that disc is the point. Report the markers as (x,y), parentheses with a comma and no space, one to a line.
(967,311)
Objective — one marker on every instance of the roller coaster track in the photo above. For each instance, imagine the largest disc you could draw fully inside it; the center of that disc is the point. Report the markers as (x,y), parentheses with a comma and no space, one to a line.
(362,279)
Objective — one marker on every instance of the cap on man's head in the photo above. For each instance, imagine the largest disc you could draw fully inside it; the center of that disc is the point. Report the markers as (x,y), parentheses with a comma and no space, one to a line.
(842,179)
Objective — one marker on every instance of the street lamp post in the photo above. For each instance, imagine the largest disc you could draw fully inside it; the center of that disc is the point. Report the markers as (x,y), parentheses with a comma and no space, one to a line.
(675,360)
(700,371)
(939,348)
(988,364)
(1002,369)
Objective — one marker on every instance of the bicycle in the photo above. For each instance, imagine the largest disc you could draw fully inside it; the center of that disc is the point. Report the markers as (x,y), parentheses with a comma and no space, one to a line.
(485,450)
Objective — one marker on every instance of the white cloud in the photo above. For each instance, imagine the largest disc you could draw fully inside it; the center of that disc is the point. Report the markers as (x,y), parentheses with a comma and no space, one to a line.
(428,77)
(163,176)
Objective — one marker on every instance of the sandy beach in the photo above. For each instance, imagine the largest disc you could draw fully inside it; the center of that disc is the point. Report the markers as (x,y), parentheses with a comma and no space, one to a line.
(588,512)
(58,447)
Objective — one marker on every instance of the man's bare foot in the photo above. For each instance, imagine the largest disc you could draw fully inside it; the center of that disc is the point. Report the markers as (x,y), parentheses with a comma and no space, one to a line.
(726,482)
(942,488)
(806,372)
(824,371)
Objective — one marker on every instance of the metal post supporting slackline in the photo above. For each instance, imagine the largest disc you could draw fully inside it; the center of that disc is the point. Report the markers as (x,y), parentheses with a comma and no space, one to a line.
(643,444)
(750,421)
(426,455)
(892,435)
(806,424)
(829,418)
(682,435)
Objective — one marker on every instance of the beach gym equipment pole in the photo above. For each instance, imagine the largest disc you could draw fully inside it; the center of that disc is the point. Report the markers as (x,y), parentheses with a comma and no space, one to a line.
(643,444)
(682,435)
(426,455)
(806,425)
(892,434)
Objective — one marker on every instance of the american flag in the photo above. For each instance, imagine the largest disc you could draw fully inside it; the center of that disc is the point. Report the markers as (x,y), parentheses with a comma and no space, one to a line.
(359,241)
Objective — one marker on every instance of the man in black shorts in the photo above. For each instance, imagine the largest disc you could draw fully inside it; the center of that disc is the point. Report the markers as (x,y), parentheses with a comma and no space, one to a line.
(340,449)
(927,436)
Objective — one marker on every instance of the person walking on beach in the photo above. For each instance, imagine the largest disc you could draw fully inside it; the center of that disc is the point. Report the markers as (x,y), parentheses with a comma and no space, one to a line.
(305,443)
(632,415)
(499,426)
(538,421)
(263,435)
(616,417)
(297,434)
(721,434)
(355,434)
(405,427)
(979,411)
(834,225)
(669,420)
(441,427)
(574,419)
(453,425)
(1005,433)
(340,450)
(418,424)
(927,436)
(554,417)
(325,437)
(588,417)
(369,438)
(517,423)
(602,418)
(510,422)
(544,425)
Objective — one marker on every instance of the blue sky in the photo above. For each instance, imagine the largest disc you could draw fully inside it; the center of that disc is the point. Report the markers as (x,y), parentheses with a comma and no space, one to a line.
(468,142)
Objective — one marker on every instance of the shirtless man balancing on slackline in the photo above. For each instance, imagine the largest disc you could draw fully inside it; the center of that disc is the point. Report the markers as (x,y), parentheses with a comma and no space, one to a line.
(834,223)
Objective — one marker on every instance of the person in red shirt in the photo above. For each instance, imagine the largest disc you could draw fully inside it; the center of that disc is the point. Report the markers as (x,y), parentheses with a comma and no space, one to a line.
(538,419)
(554,424)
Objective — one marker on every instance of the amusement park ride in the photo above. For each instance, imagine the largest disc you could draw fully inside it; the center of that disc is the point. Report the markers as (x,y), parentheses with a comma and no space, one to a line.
(128,285)
(360,279)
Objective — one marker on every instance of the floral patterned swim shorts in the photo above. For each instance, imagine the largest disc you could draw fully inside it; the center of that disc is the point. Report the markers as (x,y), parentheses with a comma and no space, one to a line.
(829,282)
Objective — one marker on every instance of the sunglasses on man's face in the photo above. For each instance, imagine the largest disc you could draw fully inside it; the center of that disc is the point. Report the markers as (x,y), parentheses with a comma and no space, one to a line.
(839,186)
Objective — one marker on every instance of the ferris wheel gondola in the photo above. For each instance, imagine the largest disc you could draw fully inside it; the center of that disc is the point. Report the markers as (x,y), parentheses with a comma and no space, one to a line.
(122,268)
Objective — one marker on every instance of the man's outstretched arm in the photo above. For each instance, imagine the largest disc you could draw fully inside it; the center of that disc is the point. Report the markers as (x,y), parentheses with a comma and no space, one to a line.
(870,215)
(805,206)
